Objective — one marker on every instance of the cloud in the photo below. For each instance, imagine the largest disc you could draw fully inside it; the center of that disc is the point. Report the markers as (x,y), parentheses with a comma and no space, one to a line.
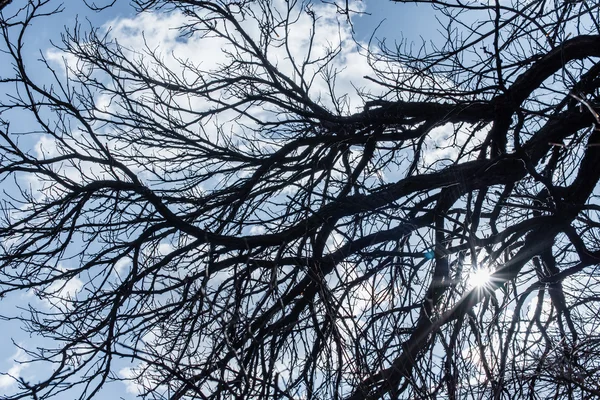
(19,363)
(152,43)
(307,43)
(129,376)
(61,292)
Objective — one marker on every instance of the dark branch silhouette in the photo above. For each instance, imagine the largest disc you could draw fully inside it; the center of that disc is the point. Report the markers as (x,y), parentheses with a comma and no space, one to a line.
(240,229)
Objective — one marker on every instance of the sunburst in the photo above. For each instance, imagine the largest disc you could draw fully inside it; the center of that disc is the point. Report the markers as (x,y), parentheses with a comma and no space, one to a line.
(480,277)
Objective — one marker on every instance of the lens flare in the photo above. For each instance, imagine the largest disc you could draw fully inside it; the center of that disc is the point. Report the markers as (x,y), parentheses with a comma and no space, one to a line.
(480,277)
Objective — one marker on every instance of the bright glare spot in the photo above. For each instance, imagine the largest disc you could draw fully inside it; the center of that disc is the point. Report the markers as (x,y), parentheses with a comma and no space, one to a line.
(480,277)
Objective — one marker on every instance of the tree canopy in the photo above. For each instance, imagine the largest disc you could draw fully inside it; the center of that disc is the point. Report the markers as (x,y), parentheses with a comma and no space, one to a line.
(246,201)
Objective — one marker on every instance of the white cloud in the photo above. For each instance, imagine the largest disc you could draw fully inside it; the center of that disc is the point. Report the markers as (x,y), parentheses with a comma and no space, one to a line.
(61,292)
(122,265)
(257,230)
(334,241)
(154,32)
(192,59)
(129,375)
(8,378)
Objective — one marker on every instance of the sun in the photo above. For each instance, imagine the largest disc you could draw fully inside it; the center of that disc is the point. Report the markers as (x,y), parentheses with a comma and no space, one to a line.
(480,277)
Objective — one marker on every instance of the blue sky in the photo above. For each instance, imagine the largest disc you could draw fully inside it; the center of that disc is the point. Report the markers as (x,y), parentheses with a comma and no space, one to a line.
(411,22)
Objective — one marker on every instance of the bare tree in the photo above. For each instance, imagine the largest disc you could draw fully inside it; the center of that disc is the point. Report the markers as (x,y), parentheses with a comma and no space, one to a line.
(237,229)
